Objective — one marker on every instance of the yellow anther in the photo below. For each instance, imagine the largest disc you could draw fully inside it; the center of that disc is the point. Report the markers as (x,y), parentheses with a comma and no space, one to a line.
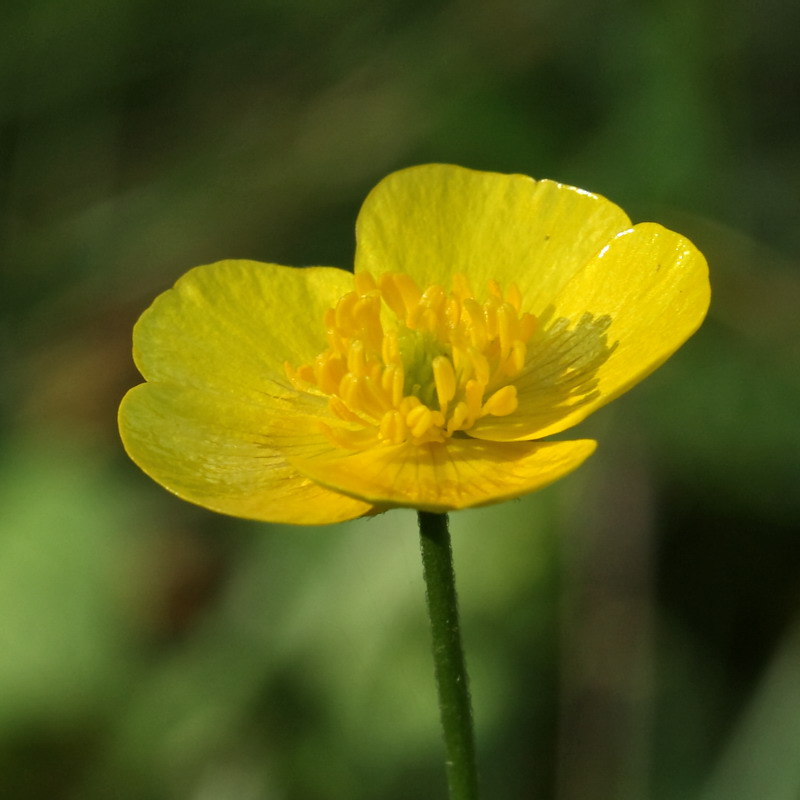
(391,382)
(474,323)
(356,358)
(429,320)
(419,420)
(344,311)
(458,417)
(373,401)
(291,373)
(336,344)
(414,316)
(445,379)
(461,286)
(329,372)
(386,380)
(480,367)
(408,403)
(494,289)
(339,407)
(365,283)
(473,394)
(408,290)
(433,297)
(517,358)
(362,401)
(337,436)
(392,295)
(367,320)
(305,373)
(506,328)
(490,315)
(349,439)
(452,312)
(462,364)
(393,429)
(347,390)
(502,402)
(416,413)
(514,296)
(527,326)
(390,350)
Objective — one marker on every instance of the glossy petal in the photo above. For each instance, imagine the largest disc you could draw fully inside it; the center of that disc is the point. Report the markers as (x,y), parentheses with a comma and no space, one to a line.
(216,451)
(616,321)
(436,220)
(461,474)
(220,424)
(233,324)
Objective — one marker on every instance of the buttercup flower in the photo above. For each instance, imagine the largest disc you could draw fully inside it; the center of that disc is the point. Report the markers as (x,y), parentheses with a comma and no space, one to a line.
(485,313)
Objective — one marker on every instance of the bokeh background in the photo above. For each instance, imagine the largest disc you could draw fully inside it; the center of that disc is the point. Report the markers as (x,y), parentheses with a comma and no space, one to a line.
(632,632)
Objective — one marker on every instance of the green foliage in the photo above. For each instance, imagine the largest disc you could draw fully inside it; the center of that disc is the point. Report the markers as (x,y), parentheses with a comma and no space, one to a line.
(630,632)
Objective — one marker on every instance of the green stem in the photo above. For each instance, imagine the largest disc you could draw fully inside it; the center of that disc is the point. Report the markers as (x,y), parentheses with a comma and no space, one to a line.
(448,656)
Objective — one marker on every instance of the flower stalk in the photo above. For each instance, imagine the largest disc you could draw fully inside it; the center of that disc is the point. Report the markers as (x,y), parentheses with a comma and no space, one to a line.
(448,656)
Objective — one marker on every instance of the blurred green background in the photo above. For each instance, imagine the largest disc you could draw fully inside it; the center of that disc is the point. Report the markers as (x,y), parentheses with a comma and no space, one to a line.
(632,632)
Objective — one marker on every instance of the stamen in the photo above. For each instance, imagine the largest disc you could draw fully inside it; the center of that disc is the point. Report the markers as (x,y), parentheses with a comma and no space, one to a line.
(392,295)
(331,371)
(341,410)
(490,313)
(407,365)
(366,315)
(305,373)
(344,310)
(365,283)
(397,380)
(517,359)
(452,312)
(445,379)
(409,290)
(390,351)
(419,420)
(473,394)
(356,358)
(514,296)
(433,297)
(475,323)
(502,402)
(347,439)
(461,287)
(527,326)
(458,418)
(393,429)
(480,367)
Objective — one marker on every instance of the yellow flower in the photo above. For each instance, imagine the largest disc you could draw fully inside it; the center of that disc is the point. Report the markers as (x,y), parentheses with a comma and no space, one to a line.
(486,312)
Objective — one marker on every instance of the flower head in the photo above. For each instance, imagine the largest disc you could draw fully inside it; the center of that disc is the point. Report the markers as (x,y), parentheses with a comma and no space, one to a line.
(485,313)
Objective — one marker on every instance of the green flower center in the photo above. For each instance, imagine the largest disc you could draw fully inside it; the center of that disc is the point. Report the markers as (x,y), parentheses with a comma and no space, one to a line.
(418,351)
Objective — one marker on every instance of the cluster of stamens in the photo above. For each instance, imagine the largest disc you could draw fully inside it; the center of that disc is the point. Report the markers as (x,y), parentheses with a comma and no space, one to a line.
(406,365)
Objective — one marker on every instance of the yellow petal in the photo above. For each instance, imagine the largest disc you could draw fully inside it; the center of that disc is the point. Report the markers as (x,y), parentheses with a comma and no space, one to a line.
(436,220)
(444,477)
(234,324)
(616,321)
(214,450)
